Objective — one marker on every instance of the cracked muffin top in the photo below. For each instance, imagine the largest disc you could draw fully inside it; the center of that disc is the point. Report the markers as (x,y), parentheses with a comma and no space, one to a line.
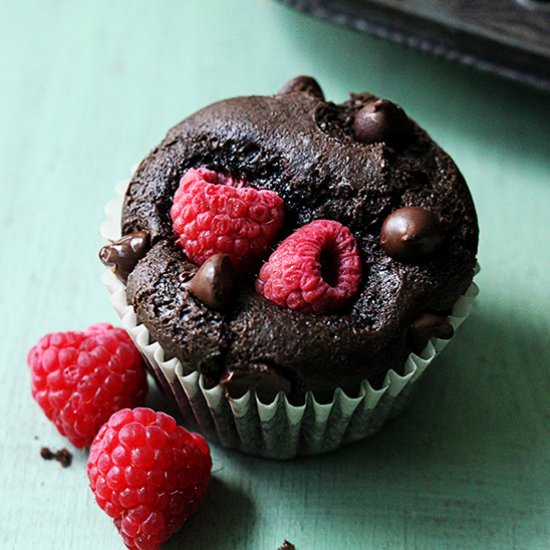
(287,243)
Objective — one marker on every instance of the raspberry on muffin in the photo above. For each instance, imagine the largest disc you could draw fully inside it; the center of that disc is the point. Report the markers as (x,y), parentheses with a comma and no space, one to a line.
(212,213)
(317,269)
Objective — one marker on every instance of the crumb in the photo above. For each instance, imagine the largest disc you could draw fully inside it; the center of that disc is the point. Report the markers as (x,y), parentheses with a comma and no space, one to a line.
(63,456)
(36,438)
(287,546)
(45,453)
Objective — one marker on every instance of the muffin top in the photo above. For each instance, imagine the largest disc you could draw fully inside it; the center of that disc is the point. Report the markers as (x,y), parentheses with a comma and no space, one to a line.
(363,164)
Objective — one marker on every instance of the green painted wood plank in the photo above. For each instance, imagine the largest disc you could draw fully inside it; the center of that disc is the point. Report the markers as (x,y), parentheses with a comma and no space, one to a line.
(86,89)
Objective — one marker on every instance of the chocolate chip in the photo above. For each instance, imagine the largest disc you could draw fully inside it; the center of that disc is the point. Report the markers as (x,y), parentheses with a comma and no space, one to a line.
(124,254)
(304,85)
(215,282)
(411,234)
(265,380)
(429,325)
(382,120)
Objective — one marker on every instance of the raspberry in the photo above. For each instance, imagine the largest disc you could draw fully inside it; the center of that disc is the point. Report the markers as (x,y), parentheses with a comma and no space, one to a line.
(148,474)
(315,270)
(213,213)
(80,379)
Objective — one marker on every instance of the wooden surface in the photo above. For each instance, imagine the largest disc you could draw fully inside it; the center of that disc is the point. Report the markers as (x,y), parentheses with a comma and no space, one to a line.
(86,89)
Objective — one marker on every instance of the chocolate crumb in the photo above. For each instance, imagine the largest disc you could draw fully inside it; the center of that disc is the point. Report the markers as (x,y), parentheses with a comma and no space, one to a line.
(63,456)
(287,546)
(46,454)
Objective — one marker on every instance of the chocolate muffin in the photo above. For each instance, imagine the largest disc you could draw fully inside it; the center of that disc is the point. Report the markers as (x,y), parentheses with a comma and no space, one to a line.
(365,170)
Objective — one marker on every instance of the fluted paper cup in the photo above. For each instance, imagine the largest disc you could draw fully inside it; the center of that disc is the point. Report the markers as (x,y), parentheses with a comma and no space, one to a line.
(279,429)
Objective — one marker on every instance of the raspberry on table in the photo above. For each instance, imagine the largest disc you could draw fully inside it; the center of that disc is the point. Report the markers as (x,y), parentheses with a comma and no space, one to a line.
(214,213)
(80,378)
(314,270)
(148,474)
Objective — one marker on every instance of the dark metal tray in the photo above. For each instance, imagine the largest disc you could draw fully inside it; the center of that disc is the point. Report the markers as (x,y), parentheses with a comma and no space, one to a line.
(508,37)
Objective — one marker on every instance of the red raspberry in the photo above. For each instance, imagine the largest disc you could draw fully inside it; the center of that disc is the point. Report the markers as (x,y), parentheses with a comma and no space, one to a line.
(213,213)
(315,270)
(148,474)
(80,379)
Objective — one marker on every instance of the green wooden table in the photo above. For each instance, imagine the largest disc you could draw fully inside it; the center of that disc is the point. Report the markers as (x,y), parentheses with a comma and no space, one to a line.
(86,88)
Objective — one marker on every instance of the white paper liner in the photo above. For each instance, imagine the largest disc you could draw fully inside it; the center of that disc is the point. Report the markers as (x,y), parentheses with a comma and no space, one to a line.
(279,429)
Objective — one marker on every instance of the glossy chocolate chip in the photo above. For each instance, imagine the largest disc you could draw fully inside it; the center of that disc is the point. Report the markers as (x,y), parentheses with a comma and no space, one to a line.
(429,325)
(215,282)
(382,120)
(302,84)
(124,254)
(411,234)
(266,381)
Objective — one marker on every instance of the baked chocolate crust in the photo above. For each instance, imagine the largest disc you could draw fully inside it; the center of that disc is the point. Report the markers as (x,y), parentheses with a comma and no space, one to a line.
(304,149)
